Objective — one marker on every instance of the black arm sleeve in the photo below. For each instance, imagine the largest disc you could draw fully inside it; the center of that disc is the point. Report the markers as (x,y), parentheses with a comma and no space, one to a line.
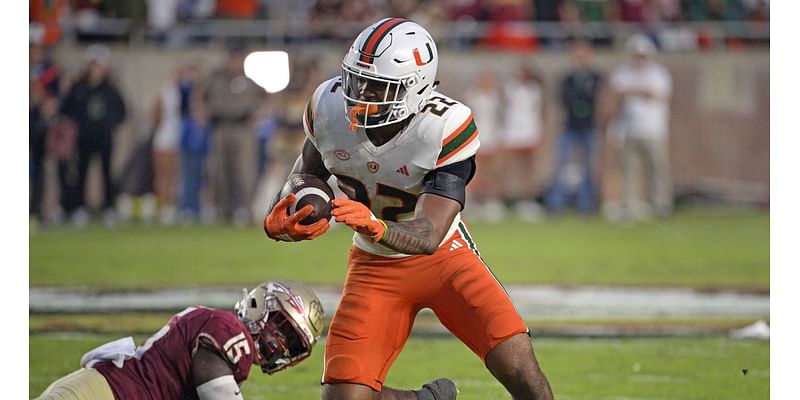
(450,181)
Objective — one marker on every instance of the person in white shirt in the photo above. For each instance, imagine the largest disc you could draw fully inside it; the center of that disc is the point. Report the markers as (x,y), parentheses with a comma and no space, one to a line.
(522,133)
(642,89)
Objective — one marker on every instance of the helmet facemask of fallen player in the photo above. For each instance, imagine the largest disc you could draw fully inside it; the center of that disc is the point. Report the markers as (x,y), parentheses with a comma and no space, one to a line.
(285,319)
(388,73)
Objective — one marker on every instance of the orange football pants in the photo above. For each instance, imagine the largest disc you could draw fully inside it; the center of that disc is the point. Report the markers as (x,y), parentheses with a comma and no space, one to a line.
(382,296)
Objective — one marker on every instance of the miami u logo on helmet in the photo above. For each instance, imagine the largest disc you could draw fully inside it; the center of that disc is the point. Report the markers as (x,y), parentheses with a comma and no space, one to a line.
(417,57)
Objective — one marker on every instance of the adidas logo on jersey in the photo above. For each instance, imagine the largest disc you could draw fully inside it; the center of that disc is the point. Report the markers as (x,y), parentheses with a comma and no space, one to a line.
(402,170)
(456,245)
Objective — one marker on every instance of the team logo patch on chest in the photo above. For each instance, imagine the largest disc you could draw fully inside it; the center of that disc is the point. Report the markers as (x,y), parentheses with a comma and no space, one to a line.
(372,166)
(341,154)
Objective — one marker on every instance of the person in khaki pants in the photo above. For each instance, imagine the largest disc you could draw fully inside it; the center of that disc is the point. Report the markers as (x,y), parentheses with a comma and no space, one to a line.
(642,89)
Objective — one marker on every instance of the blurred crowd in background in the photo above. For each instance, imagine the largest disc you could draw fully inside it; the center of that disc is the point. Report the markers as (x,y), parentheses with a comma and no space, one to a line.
(679,24)
(213,140)
(217,147)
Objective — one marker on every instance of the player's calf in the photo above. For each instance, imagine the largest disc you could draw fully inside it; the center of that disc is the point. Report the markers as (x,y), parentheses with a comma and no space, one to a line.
(439,389)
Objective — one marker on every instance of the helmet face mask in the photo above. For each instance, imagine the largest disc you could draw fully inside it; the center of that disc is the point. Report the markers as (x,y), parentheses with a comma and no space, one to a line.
(388,73)
(281,343)
(285,319)
(373,101)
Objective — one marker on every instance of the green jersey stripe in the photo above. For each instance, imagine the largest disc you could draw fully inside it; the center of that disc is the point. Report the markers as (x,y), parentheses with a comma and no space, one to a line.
(457,141)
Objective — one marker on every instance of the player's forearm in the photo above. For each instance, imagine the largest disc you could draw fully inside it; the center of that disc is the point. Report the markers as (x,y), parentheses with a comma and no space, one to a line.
(411,237)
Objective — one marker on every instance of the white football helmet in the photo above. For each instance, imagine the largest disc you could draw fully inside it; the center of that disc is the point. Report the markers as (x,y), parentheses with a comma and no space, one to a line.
(285,319)
(388,73)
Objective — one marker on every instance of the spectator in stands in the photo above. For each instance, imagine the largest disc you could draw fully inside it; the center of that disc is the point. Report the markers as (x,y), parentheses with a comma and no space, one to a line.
(547,15)
(631,11)
(642,89)
(45,78)
(195,144)
(96,106)
(484,98)
(45,19)
(161,18)
(507,28)
(167,114)
(233,102)
(196,9)
(579,97)
(585,18)
(243,9)
(523,124)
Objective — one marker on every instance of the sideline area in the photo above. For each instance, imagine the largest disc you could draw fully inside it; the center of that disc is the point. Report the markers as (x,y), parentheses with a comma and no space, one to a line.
(553,310)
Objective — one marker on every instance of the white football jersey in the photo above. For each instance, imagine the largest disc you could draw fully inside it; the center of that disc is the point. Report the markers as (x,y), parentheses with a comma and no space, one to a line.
(388,178)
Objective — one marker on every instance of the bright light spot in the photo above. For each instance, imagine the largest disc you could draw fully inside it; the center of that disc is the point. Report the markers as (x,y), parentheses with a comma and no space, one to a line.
(269,69)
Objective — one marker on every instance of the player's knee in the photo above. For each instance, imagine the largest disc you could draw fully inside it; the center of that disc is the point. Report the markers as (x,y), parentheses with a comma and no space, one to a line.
(513,359)
(342,368)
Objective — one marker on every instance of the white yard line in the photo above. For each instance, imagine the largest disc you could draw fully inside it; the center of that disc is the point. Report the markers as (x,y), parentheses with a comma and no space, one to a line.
(533,302)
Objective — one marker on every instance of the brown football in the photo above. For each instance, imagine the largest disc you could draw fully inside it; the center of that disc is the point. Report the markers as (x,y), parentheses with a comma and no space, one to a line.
(309,189)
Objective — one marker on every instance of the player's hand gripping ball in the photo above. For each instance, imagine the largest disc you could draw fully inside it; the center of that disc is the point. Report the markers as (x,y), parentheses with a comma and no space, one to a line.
(309,189)
(303,211)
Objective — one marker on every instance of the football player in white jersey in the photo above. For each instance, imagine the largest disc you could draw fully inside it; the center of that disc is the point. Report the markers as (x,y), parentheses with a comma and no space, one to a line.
(403,154)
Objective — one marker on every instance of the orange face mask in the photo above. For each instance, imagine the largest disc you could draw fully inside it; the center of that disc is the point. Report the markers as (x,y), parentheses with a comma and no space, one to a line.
(361,110)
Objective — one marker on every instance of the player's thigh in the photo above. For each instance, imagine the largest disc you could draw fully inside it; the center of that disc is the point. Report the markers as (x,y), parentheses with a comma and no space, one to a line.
(83,384)
(474,306)
(367,333)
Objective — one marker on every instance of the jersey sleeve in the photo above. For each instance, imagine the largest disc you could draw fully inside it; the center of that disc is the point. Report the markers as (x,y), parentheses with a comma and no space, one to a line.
(224,334)
(460,137)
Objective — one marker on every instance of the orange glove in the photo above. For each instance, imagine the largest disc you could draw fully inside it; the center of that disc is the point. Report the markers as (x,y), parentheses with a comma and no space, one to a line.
(358,217)
(279,225)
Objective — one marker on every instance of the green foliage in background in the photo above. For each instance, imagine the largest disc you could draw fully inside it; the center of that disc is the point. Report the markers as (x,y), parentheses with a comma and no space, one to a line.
(691,249)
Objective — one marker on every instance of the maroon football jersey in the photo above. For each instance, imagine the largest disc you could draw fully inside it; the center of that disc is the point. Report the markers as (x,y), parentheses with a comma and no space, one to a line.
(162,366)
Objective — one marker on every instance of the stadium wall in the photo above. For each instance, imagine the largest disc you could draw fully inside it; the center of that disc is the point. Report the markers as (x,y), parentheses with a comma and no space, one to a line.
(719,123)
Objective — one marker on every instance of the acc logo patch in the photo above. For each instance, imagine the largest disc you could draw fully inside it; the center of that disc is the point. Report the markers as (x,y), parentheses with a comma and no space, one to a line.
(341,154)
(372,166)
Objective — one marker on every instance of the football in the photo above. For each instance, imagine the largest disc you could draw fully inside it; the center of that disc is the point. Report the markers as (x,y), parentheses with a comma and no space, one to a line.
(309,189)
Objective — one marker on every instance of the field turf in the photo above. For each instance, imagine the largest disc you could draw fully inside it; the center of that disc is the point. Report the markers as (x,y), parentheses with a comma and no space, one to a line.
(703,250)
(693,249)
(578,369)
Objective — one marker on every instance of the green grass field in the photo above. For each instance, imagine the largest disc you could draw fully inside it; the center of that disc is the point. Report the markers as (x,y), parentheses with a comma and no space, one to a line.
(704,250)
(578,369)
(698,250)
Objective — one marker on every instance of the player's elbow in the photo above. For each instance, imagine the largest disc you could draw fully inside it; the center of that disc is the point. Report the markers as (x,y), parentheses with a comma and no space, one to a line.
(433,242)
(430,249)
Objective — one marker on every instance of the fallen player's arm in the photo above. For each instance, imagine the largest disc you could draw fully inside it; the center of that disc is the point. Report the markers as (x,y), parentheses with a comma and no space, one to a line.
(213,377)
